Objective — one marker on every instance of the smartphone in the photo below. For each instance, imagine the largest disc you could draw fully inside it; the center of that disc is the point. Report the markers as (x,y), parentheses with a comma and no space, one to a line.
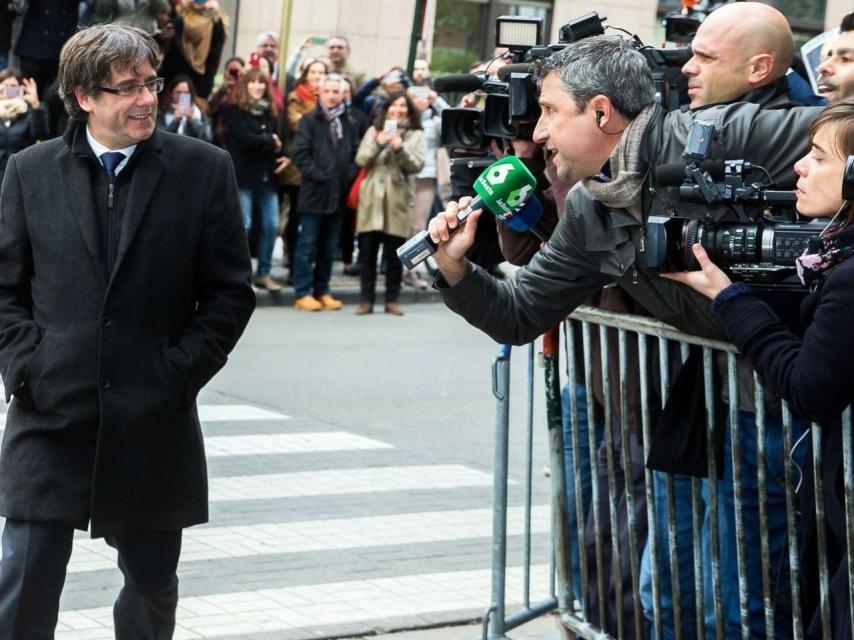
(319,40)
(254,59)
(185,101)
(390,126)
(13,92)
(200,1)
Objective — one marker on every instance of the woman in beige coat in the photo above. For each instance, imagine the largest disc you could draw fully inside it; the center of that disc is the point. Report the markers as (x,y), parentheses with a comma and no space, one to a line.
(393,151)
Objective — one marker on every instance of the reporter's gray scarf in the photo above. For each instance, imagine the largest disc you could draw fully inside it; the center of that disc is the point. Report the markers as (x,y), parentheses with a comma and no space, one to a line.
(333,117)
(624,190)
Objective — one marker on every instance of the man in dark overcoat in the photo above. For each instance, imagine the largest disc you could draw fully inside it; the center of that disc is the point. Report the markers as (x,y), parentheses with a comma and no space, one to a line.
(124,284)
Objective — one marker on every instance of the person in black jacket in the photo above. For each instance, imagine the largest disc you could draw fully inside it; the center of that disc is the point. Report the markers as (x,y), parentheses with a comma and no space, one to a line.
(255,146)
(814,372)
(22,119)
(324,147)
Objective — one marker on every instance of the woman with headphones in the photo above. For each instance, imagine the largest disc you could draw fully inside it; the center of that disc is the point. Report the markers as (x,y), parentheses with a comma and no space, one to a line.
(812,370)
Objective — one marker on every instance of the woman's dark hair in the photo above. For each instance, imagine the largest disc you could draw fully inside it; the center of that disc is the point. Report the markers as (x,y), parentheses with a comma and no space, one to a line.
(5,74)
(841,115)
(413,118)
(237,59)
(241,91)
(303,76)
(166,96)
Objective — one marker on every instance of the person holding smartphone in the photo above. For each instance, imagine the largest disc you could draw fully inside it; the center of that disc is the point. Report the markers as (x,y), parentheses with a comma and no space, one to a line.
(812,369)
(23,121)
(180,113)
(393,152)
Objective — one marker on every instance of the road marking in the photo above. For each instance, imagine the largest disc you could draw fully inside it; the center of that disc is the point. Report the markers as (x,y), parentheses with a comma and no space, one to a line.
(216,543)
(320,606)
(236,413)
(269,444)
(346,481)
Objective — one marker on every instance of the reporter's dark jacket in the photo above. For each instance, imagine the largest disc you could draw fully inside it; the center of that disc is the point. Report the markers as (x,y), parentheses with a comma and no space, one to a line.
(593,245)
(104,370)
(327,169)
(249,140)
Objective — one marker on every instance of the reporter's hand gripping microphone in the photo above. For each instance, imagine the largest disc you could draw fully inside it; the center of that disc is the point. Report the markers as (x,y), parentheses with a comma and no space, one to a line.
(503,188)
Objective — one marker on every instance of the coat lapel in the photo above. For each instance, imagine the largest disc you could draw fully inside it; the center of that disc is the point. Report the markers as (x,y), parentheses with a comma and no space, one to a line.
(77,187)
(143,184)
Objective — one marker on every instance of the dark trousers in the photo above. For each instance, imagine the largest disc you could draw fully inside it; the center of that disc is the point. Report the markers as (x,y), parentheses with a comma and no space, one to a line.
(369,245)
(347,236)
(316,243)
(32,574)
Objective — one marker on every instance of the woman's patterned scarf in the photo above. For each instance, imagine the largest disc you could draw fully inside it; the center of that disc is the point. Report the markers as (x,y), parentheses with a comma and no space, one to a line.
(824,252)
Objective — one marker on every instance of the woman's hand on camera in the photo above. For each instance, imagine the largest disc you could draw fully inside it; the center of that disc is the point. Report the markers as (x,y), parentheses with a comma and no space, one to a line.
(452,247)
(396,142)
(31,94)
(383,138)
(709,281)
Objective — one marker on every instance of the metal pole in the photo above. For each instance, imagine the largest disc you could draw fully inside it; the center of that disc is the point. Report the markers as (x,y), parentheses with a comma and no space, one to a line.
(284,31)
(415,37)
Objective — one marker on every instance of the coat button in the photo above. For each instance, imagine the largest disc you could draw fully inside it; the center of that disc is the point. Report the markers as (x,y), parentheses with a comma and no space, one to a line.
(106,321)
(105,383)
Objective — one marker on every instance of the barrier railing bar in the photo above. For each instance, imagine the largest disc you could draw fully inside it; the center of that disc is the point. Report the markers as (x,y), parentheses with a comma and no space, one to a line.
(791,516)
(529,475)
(714,537)
(762,478)
(821,540)
(848,480)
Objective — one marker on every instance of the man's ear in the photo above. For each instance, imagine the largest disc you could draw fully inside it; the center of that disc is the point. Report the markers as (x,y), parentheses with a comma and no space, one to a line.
(600,107)
(759,68)
(84,100)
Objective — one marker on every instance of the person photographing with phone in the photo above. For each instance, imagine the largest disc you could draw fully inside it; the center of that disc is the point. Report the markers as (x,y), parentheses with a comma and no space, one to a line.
(23,121)
(180,112)
(392,152)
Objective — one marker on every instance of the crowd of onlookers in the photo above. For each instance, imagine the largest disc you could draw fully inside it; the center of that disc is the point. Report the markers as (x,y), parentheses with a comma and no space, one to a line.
(339,165)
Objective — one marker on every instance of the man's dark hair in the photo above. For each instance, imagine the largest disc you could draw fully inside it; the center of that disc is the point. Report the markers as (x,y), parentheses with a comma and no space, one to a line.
(604,65)
(847,23)
(88,58)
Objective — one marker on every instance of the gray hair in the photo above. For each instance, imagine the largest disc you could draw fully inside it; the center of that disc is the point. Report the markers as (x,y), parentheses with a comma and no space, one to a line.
(334,77)
(341,36)
(267,34)
(88,58)
(604,65)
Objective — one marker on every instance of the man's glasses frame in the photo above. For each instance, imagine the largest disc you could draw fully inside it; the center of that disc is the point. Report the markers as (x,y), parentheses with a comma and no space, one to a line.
(154,86)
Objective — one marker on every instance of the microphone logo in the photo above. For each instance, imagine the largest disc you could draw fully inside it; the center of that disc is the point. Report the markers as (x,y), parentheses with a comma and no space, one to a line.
(519,196)
(497,173)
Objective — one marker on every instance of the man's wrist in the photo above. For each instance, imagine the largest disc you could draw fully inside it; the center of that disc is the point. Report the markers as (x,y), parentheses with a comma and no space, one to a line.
(453,271)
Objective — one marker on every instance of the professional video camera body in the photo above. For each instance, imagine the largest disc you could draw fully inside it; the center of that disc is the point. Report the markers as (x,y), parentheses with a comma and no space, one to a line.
(511,109)
(760,251)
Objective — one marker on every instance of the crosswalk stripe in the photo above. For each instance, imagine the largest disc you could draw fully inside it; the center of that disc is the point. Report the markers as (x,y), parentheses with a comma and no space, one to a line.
(278,443)
(346,481)
(215,543)
(319,606)
(236,413)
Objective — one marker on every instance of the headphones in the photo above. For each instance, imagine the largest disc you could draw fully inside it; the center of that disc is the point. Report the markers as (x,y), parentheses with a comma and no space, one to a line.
(599,116)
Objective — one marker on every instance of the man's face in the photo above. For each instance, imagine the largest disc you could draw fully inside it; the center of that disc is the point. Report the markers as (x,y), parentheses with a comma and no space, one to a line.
(718,71)
(571,135)
(836,73)
(330,94)
(121,121)
(420,71)
(269,50)
(338,50)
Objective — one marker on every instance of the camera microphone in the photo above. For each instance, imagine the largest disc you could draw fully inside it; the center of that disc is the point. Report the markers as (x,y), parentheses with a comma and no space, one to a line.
(505,71)
(462,83)
(502,189)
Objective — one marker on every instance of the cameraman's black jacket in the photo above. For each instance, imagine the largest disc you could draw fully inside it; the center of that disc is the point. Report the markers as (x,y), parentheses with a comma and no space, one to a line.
(593,245)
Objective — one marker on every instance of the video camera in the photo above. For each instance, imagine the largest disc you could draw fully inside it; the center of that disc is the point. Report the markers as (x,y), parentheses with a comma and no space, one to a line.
(760,252)
(511,109)
(682,24)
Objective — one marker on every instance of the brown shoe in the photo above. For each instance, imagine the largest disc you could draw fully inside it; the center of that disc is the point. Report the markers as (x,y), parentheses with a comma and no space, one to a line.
(364,308)
(393,308)
(307,303)
(267,282)
(329,303)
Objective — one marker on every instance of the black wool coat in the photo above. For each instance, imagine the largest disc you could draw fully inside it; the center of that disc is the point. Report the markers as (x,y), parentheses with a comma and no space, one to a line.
(327,169)
(103,372)
(249,140)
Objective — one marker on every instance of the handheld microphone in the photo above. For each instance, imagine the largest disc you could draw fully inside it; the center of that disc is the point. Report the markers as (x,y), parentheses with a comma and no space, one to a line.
(528,217)
(502,188)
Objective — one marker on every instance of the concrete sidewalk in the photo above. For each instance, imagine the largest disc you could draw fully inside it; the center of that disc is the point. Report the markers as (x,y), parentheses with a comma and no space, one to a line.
(542,628)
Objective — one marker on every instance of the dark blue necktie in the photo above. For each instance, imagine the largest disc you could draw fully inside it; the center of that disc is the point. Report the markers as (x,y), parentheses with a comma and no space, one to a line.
(111,160)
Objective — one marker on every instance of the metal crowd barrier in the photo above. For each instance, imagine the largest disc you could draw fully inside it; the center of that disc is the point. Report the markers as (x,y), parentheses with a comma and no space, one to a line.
(575,570)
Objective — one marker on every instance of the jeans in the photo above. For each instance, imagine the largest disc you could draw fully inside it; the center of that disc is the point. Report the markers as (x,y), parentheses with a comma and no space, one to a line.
(775,457)
(317,241)
(268,204)
(577,460)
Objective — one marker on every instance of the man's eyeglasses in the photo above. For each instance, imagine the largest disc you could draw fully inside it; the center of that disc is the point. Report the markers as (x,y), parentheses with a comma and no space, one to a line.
(154,86)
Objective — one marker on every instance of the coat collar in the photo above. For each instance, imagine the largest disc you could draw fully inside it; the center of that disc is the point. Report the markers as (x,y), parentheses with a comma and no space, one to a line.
(147,165)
